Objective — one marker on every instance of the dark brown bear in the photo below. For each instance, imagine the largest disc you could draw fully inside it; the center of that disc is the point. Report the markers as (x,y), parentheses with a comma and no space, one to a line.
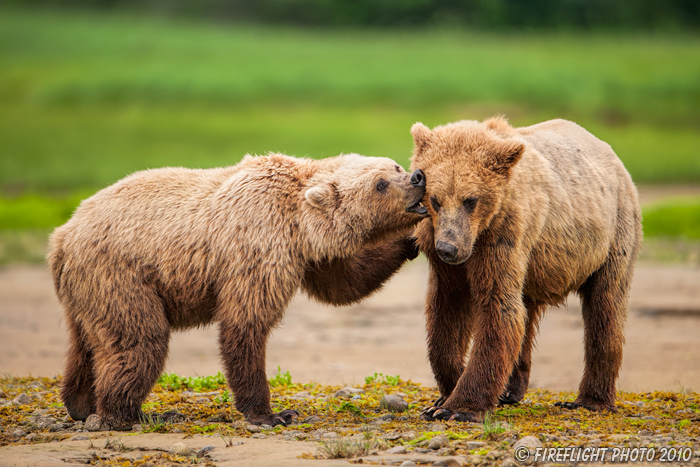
(520,218)
(170,249)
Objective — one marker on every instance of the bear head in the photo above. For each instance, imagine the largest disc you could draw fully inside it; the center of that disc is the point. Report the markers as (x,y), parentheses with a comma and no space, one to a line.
(353,200)
(466,165)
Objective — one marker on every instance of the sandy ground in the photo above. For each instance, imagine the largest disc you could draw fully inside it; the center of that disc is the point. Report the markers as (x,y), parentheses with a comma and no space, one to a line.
(386,334)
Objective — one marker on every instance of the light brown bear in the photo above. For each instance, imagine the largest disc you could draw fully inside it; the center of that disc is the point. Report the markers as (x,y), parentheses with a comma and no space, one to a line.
(173,248)
(520,218)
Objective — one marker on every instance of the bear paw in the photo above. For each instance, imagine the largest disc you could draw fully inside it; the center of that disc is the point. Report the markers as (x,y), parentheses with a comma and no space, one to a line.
(592,406)
(450,416)
(509,398)
(283,418)
(428,412)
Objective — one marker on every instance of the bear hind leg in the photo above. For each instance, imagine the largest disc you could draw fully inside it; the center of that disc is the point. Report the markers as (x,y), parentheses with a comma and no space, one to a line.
(77,387)
(604,298)
(129,363)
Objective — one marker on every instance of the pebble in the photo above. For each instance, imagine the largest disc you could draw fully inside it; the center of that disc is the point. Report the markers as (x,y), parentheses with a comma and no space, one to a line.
(393,403)
(530,442)
(313,419)
(31,437)
(437,427)
(22,399)
(649,417)
(204,451)
(93,423)
(348,392)
(253,428)
(407,464)
(258,436)
(356,397)
(447,463)
(137,427)
(177,430)
(180,449)
(438,442)
(19,433)
(302,395)
(472,445)
(509,463)
(266,427)
(36,385)
(397,450)
(329,435)
(80,438)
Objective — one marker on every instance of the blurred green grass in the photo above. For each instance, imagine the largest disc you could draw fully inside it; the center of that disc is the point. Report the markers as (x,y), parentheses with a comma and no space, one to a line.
(86,99)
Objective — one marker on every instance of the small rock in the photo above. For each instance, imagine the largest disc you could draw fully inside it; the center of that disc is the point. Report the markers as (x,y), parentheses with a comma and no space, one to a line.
(266,427)
(438,442)
(649,417)
(36,385)
(447,463)
(78,425)
(472,445)
(443,451)
(137,427)
(302,395)
(22,399)
(177,430)
(31,437)
(530,442)
(258,436)
(356,397)
(329,435)
(348,392)
(509,463)
(421,451)
(396,450)
(93,423)
(180,449)
(204,451)
(80,438)
(54,427)
(253,428)
(409,435)
(41,412)
(45,422)
(646,433)
(313,419)
(407,464)
(437,427)
(19,433)
(388,417)
(393,403)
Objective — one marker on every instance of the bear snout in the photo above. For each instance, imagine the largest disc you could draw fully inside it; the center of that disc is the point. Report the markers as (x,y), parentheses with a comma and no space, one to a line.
(446,251)
(418,178)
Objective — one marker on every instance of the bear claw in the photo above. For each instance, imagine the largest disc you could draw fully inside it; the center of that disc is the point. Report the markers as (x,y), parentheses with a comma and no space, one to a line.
(284,418)
(450,416)
(508,398)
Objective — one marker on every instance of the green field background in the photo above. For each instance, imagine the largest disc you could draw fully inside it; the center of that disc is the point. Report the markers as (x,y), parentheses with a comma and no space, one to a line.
(87,98)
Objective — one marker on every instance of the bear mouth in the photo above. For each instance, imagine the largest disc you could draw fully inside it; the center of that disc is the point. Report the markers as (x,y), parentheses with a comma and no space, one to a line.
(418,208)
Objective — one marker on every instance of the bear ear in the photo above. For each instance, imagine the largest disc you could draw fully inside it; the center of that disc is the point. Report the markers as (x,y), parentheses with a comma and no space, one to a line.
(506,155)
(421,135)
(319,196)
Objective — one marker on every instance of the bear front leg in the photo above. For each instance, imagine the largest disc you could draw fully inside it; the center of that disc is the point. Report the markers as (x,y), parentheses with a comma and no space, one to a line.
(243,347)
(498,333)
(520,377)
(448,329)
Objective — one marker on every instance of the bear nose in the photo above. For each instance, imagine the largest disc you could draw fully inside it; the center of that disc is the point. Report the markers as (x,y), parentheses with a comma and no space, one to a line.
(418,178)
(446,251)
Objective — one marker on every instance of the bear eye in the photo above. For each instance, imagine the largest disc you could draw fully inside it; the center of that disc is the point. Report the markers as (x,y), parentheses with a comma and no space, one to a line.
(470,203)
(382,185)
(398,169)
(434,202)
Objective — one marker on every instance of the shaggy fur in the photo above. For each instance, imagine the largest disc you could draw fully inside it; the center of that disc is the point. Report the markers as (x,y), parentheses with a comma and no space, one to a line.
(174,248)
(520,218)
